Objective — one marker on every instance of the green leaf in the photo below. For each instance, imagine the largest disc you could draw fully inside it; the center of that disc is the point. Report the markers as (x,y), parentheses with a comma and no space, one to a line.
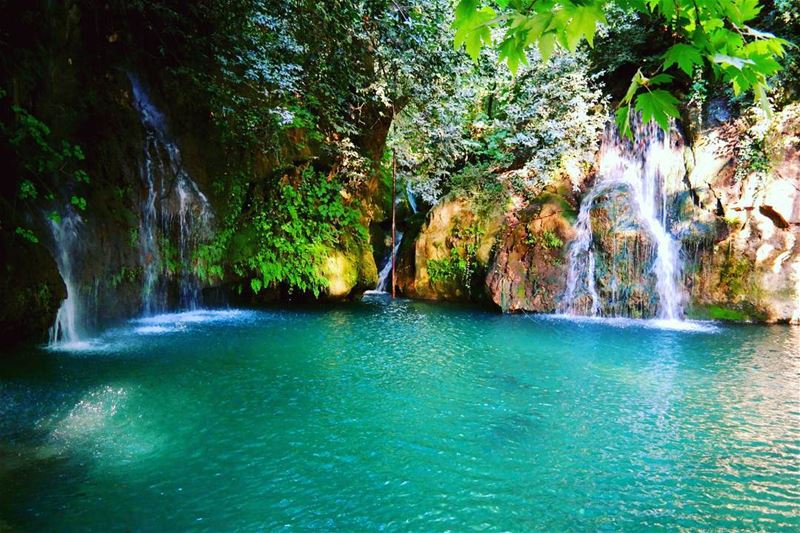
(740,11)
(536,26)
(27,190)
(659,79)
(81,176)
(546,45)
(27,234)
(765,64)
(472,26)
(657,105)
(622,118)
(79,202)
(685,55)
(256,285)
(582,24)
(760,96)
(636,82)
(513,52)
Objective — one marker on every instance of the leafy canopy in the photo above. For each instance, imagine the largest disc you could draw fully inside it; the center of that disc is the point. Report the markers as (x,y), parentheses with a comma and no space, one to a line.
(713,35)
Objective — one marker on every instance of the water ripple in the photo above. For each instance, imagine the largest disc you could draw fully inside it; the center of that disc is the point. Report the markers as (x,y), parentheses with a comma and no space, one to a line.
(398,415)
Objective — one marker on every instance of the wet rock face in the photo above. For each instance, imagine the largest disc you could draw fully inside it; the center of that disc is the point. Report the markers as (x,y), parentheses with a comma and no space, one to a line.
(30,288)
(517,246)
(739,238)
(748,266)
(783,144)
(528,271)
(624,255)
(454,230)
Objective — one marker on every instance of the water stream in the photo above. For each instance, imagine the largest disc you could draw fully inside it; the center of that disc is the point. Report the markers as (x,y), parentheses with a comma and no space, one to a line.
(65,329)
(385,275)
(175,214)
(640,170)
(412,201)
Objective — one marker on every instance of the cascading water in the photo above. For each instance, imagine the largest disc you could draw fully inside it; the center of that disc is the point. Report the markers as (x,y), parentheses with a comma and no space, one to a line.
(636,174)
(174,210)
(385,275)
(65,329)
(412,201)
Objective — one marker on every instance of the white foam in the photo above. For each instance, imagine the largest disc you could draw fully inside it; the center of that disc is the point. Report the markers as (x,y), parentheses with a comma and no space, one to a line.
(153,330)
(76,346)
(195,317)
(120,339)
(690,326)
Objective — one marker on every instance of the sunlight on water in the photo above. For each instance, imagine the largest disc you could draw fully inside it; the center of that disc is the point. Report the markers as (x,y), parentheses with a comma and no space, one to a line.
(153,330)
(196,316)
(699,326)
(89,415)
(401,415)
(120,338)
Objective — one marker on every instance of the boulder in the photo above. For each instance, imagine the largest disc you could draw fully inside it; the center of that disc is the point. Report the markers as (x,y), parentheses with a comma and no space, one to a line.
(452,227)
(348,271)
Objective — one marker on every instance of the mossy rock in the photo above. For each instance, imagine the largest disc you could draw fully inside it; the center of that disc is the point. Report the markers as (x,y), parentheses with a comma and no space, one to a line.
(567,210)
(347,271)
(744,312)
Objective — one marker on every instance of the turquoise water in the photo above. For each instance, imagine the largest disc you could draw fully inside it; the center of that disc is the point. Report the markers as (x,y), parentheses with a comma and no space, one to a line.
(403,416)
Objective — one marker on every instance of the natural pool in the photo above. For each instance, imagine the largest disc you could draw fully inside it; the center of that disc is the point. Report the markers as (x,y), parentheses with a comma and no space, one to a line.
(403,416)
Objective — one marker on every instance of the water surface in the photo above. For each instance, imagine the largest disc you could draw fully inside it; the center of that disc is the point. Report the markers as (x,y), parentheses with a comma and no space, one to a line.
(403,416)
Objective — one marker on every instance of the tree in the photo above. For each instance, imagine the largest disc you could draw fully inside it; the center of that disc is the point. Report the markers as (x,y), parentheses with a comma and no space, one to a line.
(712,35)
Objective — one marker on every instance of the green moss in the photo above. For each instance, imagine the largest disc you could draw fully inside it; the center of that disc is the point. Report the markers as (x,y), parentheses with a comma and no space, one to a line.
(462,268)
(734,276)
(547,239)
(567,211)
(737,313)
(125,275)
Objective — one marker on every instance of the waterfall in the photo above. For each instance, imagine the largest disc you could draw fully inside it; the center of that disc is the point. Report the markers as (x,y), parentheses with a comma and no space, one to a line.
(65,243)
(385,275)
(176,216)
(412,202)
(636,174)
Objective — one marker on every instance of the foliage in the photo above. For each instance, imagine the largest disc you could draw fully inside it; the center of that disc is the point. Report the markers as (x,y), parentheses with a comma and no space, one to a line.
(549,240)
(545,120)
(27,234)
(170,256)
(288,84)
(46,168)
(784,20)
(708,34)
(456,268)
(734,276)
(268,67)
(628,42)
(284,236)
(751,158)
(125,275)
(461,267)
